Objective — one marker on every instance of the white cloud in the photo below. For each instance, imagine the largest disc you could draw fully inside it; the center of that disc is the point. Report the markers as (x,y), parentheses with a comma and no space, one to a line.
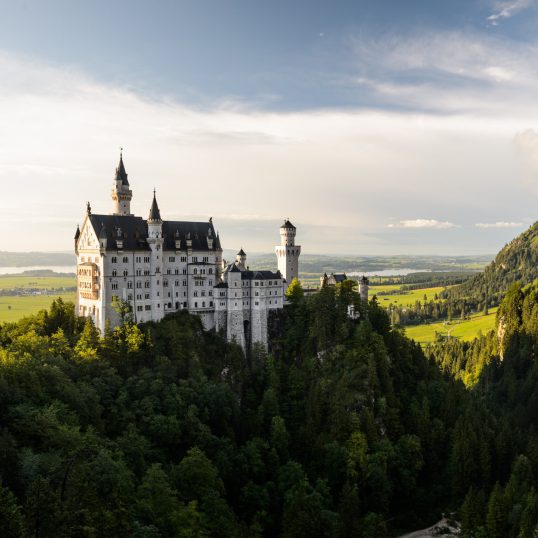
(338,174)
(424,223)
(449,71)
(505,10)
(499,224)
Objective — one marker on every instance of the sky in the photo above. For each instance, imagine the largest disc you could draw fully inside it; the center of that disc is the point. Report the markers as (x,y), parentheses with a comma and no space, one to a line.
(377,127)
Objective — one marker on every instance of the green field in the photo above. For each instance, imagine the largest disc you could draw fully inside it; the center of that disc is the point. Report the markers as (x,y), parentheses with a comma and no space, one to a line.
(28,304)
(405,297)
(464,330)
(36,282)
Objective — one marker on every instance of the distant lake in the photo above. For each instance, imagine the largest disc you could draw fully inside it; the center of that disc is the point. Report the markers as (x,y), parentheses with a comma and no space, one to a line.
(55,268)
(389,272)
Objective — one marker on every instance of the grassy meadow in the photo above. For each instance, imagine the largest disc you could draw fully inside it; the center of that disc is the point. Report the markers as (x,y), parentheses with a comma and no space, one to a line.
(403,298)
(464,330)
(14,306)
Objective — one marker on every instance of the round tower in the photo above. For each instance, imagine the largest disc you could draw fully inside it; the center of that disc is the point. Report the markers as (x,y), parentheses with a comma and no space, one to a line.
(121,193)
(288,252)
(364,283)
(241,259)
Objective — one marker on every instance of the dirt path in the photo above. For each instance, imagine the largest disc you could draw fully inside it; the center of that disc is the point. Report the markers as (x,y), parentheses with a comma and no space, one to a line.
(433,531)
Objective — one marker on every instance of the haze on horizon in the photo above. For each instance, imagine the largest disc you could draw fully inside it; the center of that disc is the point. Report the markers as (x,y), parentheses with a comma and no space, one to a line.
(377,127)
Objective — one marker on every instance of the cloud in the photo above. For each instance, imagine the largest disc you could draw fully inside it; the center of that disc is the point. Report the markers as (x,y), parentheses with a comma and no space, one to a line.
(424,223)
(448,72)
(499,224)
(505,10)
(338,174)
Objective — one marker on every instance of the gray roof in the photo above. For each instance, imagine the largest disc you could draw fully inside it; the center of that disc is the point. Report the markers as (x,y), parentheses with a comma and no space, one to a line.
(288,224)
(241,253)
(121,174)
(260,275)
(154,213)
(135,232)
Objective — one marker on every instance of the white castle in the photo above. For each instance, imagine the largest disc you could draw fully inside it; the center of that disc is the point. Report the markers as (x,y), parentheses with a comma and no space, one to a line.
(159,267)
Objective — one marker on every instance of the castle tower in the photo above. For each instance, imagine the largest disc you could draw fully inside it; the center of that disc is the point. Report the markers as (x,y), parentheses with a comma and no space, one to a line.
(288,253)
(363,288)
(241,259)
(155,242)
(121,194)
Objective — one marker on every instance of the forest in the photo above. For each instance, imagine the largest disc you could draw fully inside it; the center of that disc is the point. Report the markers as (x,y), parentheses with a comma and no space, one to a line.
(345,428)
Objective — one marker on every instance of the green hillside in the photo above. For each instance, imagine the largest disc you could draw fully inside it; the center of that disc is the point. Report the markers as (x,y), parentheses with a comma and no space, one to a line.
(517,261)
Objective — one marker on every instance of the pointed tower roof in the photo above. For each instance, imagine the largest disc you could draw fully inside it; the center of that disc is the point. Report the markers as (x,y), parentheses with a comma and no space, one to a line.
(121,174)
(154,213)
(241,253)
(288,224)
(77,233)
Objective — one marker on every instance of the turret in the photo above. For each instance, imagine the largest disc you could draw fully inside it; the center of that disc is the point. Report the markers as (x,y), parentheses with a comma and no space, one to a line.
(287,234)
(121,194)
(155,223)
(364,283)
(77,235)
(288,253)
(241,259)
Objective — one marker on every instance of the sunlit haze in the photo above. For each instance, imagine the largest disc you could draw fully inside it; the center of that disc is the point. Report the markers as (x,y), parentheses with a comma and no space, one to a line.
(380,127)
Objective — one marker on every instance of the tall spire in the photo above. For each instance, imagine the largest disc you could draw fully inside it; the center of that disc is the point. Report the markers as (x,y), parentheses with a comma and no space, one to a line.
(121,174)
(121,194)
(154,213)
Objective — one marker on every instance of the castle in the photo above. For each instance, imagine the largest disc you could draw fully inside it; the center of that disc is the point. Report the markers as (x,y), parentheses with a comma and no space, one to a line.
(159,266)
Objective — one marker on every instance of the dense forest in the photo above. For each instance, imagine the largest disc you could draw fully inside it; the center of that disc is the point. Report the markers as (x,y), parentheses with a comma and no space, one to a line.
(516,262)
(344,429)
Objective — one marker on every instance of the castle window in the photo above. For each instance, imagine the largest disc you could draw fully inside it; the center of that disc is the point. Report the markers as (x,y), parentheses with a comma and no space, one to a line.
(210,293)
(138,272)
(125,259)
(183,258)
(184,271)
(195,304)
(158,270)
(130,297)
(138,259)
(139,284)
(210,282)
(125,273)
(146,272)
(114,272)
(185,305)
(184,282)
(195,271)
(257,293)
(177,294)
(195,294)
(146,296)
(256,303)
(205,259)
(114,259)
(210,271)
(139,308)
(176,271)
(176,283)
(172,259)
(203,304)
(146,284)
(210,303)
(147,307)
(195,259)
(169,271)
(146,259)
(202,293)
(129,285)
(114,285)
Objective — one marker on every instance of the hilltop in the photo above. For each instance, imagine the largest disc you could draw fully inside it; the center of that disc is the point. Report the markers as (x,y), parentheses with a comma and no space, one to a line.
(516,262)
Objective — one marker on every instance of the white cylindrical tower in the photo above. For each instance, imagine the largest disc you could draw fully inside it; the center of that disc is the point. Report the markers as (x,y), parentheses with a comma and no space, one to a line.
(288,253)
(363,288)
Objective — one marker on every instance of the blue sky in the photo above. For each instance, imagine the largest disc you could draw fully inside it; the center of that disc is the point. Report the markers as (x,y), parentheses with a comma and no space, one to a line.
(378,127)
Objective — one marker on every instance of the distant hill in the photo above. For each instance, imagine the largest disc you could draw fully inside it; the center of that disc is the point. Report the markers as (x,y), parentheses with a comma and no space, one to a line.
(27,259)
(517,261)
